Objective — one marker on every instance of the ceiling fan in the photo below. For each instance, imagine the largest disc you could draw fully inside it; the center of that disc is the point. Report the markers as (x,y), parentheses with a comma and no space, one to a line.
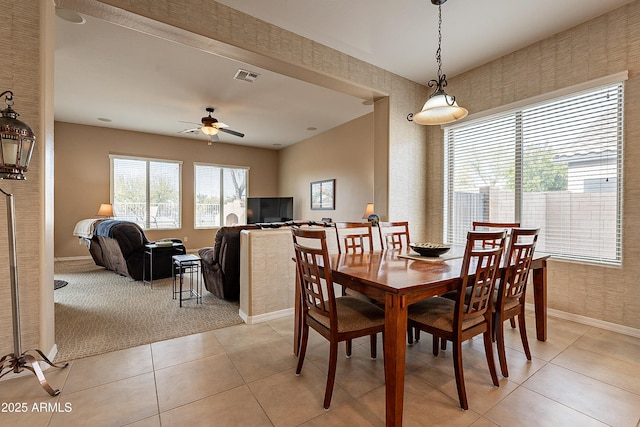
(211,126)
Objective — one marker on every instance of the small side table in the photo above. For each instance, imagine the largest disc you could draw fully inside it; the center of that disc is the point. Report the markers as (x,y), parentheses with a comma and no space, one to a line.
(148,255)
(187,264)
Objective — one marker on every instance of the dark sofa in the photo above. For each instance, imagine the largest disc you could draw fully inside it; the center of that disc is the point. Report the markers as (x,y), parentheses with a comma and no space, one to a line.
(120,246)
(221,263)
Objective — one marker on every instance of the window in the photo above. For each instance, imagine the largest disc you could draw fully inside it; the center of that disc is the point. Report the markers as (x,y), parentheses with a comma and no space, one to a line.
(220,196)
(554,165)
(147,191)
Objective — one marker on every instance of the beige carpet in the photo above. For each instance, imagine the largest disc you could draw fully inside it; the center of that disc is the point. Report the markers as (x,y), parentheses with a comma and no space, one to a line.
(100,311)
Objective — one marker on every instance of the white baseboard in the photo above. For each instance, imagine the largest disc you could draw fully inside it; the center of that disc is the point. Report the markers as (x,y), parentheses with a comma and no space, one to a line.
(261,318)
(608,326)
(73,258)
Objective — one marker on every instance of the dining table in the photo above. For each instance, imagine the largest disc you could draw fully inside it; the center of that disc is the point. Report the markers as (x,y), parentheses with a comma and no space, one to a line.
(399,278)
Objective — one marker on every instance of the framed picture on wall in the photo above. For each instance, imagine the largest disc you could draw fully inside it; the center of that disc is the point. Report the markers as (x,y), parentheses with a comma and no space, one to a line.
(323,194)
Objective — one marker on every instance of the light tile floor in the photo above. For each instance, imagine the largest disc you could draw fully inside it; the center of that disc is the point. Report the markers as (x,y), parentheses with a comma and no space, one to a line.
(244,376)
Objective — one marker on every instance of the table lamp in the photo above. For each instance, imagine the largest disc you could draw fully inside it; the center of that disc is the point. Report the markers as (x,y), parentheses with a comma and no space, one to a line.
(369,215)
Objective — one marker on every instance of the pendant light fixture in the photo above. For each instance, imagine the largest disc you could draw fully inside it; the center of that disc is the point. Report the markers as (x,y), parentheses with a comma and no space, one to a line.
(441,107)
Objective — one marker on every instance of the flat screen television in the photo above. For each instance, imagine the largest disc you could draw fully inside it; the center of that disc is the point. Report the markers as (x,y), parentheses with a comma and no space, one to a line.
(269,209)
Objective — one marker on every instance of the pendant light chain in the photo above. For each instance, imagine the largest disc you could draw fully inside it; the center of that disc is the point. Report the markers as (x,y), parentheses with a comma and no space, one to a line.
(439,51)
(440,108)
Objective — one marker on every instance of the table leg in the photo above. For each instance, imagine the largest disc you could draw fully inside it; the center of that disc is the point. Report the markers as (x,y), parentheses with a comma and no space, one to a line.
(540,300)
(395,330)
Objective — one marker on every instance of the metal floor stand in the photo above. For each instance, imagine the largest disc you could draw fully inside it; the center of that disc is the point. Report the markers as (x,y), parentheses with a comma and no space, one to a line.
(18,361)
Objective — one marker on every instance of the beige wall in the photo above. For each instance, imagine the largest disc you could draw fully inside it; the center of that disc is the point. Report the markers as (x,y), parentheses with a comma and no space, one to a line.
(602,46)
(82,176)
(345,154)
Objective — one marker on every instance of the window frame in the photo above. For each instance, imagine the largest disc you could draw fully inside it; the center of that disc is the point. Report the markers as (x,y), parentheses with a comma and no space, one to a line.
(145,224)
(515,111)
(222,168)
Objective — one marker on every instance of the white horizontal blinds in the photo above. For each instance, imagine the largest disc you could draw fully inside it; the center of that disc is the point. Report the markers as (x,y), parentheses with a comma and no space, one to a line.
(572,151)
(164,195)
(555,165)
(221,196)
(146,192)
(208,181)
(480,175)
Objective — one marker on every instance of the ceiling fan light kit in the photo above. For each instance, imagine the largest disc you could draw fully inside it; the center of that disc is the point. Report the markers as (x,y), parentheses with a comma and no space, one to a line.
(209,123)
(210,126)
(209,130)
(440,108)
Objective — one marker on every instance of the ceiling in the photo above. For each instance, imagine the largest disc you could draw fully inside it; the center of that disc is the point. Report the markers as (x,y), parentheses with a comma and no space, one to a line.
(147,84)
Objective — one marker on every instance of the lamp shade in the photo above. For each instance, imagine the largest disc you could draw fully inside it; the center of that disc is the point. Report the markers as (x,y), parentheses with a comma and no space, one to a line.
(440,109)
(16,145)
(368,211)
(106,209)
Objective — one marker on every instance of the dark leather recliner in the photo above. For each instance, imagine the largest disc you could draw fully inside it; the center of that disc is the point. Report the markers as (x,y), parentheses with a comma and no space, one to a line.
(221,263)
(120,246)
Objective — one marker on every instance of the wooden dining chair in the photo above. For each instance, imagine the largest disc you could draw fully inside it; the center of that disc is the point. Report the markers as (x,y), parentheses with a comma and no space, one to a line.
(394,235)
(336,319)
(354,237)
(509,298)
(458,321)
(496,226)
(477,226)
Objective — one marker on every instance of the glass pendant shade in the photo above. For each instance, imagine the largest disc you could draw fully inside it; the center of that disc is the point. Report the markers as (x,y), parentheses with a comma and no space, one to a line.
(16,145)
(440,109)
(209,130)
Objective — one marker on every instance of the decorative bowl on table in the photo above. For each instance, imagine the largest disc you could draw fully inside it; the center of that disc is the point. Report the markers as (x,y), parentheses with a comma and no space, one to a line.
(430,249)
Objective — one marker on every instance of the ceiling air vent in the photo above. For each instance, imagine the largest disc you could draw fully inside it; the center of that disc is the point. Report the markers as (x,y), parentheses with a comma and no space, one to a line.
(247,76)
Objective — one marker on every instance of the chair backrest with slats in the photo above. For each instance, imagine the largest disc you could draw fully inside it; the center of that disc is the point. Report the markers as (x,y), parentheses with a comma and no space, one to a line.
(394,235)
(494,226)
(354,237)
(480,267)
(519,257)
(314,272)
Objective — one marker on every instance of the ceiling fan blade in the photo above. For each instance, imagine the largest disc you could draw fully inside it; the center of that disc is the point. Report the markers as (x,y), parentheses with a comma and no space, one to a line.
(232,132)
(220,125)
(194,130)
